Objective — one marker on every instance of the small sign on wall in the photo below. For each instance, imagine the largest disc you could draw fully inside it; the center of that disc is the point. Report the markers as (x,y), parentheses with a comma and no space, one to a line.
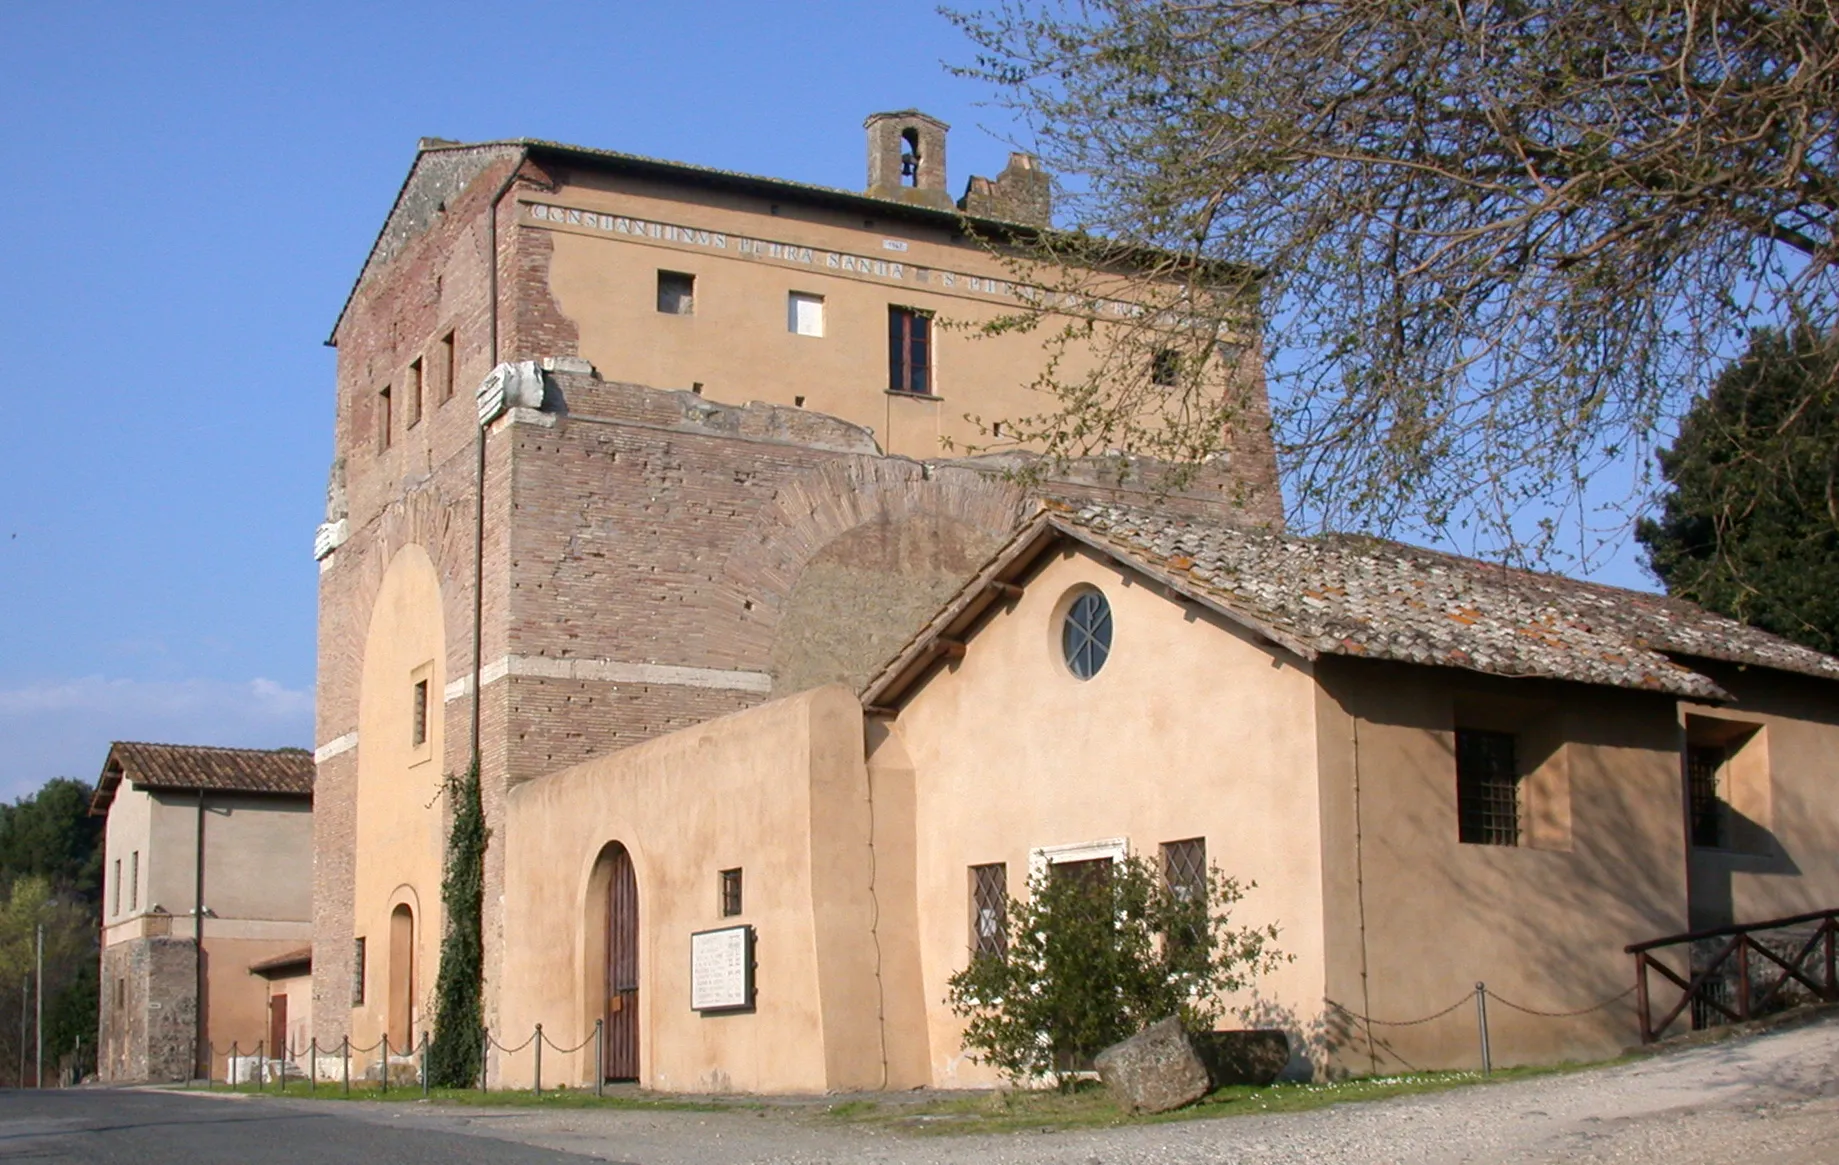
(721,969)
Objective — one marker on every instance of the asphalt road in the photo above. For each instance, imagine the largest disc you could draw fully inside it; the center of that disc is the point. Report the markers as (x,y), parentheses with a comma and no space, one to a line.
(107,1126)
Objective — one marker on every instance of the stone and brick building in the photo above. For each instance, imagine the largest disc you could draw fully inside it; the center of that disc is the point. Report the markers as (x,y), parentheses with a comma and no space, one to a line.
(710,463)
(641,484)
(219,834)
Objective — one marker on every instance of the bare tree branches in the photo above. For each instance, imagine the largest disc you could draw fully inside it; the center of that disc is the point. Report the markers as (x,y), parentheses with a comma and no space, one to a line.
(1502,245)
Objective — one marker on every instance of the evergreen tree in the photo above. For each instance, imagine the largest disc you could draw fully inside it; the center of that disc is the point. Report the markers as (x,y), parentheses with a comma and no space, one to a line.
(1750,525)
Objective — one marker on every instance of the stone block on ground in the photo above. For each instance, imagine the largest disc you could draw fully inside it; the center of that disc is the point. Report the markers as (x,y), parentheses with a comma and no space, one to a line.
(1255,1057)
(1155,1070)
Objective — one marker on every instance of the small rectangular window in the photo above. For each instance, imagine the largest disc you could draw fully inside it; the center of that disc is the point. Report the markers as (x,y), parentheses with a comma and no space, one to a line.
(1164,367)
(804,314)
(1487,788)
(909,351)
(1704,769)
(357,972)
(1184,865)
(121,994)
(134,881)
(990,910)
(418,733)
(446,371)
(676,293)
(115,888)
(383,418)
(731,893)
(414,391)
(1184,868)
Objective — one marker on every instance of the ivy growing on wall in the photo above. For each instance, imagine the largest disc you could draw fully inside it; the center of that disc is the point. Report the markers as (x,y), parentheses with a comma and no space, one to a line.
(456,1056)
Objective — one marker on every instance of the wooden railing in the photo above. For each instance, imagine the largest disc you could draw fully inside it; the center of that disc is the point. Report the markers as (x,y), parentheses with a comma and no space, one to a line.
(1743,977)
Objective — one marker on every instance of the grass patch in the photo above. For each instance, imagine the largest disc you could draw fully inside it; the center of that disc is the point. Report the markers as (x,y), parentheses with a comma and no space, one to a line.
(1091,1106)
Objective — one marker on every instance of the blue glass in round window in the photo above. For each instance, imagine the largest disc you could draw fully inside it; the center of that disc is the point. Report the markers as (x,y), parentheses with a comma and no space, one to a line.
(1086,635)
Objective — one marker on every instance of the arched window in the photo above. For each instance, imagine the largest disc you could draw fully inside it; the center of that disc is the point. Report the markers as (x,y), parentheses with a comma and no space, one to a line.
(1085,634)
(909,157)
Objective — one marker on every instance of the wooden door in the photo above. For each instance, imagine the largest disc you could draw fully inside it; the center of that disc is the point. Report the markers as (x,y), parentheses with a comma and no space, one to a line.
(277,1027)
(622,971)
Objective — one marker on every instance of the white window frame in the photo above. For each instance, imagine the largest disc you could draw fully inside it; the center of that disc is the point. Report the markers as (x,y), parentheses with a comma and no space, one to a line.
(793,319)
(1042,857)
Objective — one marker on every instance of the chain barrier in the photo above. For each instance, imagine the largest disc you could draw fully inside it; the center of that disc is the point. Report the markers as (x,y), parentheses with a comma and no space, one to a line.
(1367,1019)
(1481,997)
(1613,999)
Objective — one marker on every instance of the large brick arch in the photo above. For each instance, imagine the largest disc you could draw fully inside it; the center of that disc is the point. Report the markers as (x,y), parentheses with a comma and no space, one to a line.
(848,559)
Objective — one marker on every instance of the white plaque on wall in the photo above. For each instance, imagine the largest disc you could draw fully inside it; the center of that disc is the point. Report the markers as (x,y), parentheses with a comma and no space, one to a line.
(721,969)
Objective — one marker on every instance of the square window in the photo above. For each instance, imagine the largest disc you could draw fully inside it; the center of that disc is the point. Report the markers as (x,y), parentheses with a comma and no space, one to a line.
(909,351)
(731,892)
(419,714)
(804,314)
(990,910)
(676,293)
(414,391)
(1487,788)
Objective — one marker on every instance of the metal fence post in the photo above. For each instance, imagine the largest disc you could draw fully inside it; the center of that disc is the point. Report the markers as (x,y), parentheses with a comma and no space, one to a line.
(345,1051)
(538,1038)
(424,1065)
(600,1057)
(385,1078)
(230,1069)
(313,1066)
(1481,1018)
(485,1052)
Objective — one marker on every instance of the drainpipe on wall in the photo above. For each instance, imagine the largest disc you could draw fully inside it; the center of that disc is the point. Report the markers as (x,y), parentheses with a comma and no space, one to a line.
(491,250)
(1366,991)
(200,1052)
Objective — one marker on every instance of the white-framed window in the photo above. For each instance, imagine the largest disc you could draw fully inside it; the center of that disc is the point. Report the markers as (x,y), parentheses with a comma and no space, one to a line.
(1108,849)
(804,314)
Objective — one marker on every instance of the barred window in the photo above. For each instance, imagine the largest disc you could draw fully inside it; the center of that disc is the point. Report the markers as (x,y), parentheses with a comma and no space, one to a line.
(990,910)
(1704,762)
(1487,788)
(357,972)
(418,730)
(1184,865)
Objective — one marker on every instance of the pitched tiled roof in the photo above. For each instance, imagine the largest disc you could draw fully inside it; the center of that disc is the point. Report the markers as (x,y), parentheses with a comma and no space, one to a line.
(283,962)
(1368,597)
(196,766)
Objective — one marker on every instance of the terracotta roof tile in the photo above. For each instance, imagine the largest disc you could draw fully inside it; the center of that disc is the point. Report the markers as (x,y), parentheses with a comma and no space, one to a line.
(196,766)
(1355,595)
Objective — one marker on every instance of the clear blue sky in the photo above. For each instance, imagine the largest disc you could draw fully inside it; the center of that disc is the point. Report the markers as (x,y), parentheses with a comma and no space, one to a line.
(190,189)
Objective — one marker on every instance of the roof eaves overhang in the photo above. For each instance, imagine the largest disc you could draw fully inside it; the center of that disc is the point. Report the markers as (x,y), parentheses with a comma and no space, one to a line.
(961,617)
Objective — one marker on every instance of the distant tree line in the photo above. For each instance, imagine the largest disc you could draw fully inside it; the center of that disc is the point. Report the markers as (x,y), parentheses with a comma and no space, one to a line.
(50,874)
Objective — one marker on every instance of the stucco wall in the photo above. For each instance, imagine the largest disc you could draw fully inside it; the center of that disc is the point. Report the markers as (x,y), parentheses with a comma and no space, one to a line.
(1189,730)
(778,791)
(1420,918)
(1783,856)
(400,799)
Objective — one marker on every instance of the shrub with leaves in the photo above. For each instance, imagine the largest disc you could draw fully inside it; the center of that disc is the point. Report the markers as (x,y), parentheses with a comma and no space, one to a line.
(1094,955)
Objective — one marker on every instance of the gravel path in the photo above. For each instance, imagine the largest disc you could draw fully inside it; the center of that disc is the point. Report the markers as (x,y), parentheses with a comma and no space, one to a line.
(1764,1099)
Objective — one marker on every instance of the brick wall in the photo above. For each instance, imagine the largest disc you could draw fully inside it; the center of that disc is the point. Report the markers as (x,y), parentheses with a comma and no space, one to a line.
(764,548)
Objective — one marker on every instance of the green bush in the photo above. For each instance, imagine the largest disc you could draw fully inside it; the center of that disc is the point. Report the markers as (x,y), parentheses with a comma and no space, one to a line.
(1096,956)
